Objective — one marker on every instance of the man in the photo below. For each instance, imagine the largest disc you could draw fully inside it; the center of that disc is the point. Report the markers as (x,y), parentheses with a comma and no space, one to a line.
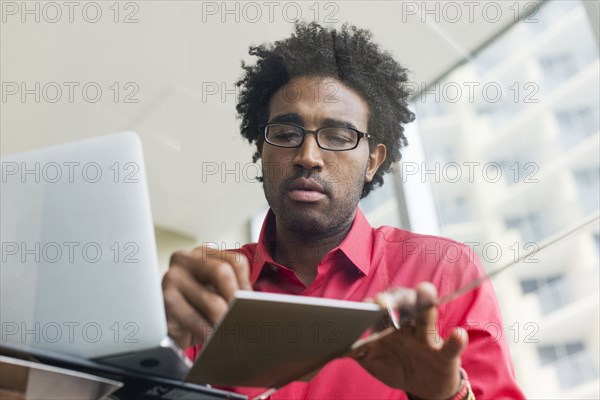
(326,110)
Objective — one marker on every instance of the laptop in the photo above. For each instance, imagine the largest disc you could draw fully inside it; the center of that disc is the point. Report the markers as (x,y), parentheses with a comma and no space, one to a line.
(79,272)
(80,283)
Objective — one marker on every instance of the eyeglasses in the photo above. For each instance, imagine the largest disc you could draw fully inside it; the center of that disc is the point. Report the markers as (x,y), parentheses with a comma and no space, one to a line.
(333,139)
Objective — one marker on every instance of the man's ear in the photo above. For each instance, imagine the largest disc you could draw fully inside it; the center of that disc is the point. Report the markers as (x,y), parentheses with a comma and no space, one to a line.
(376,158)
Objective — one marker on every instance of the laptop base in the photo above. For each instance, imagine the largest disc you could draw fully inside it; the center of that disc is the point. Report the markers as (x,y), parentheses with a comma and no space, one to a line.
(166,361)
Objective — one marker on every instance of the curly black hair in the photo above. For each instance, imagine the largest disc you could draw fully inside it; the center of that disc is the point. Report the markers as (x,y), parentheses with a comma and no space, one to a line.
(347,55)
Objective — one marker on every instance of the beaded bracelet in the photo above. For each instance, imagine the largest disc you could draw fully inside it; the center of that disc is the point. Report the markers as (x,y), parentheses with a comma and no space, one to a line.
(465,392)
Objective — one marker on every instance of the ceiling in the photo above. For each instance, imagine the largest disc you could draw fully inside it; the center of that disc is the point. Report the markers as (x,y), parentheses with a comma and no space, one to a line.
(179,62)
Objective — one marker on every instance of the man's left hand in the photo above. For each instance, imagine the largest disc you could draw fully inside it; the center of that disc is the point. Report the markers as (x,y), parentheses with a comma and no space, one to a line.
(414,358)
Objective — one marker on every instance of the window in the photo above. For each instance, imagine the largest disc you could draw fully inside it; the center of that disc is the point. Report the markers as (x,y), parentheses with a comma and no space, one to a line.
(519,167)
(558,68)
(588,185)
(554,295)
(529,285)
(576,124)
(533,284)
(532,227)
(547,354)
(576,369)
(573,362)
(553,292)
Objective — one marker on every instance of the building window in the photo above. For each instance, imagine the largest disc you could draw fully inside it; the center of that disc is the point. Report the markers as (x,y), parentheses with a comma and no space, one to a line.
(533,227)
(558,67)
(574,364)
(553,292)
(554,295)
(588,185)
(517,168)
(576,124)
(534,284)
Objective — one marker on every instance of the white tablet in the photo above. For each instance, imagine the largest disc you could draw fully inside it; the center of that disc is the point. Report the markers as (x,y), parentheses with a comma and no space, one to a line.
(268,340)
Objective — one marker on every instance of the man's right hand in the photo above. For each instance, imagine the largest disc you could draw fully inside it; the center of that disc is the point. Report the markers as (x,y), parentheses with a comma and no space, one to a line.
(197,289)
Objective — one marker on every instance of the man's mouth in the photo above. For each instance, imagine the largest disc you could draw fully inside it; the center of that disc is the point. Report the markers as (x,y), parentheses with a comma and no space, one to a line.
(306,190)
(307,196)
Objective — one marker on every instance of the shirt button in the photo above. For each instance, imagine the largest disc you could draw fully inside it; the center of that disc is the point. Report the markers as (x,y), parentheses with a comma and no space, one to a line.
(275,268)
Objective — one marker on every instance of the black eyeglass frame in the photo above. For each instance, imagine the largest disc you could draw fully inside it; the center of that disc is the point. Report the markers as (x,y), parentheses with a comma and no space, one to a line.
(263,130)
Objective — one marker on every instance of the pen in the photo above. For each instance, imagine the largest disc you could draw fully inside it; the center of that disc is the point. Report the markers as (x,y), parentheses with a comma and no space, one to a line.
(391,313)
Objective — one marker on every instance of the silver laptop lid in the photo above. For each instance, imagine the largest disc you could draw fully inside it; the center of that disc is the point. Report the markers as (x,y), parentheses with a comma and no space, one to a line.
(79,270)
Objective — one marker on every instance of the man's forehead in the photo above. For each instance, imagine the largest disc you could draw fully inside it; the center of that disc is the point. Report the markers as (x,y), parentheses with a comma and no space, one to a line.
(323,89)
(336,101)
(296,118)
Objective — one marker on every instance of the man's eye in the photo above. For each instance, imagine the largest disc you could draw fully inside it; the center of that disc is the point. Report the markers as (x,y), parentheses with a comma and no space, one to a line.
(340,136)
(288,135)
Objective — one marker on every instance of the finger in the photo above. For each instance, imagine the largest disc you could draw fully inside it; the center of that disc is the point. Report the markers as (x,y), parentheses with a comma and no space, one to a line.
(399,305)
(180,258)
(241,266)
(405,303)
(397,298)
(427,315)
(426,295)
(210,266)
(426,299)
(455,343)
(210,305)
(403,299)
(182,270)
(183,315)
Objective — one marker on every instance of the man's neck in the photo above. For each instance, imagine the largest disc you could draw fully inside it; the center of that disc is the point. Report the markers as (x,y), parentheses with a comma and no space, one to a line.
(303,254)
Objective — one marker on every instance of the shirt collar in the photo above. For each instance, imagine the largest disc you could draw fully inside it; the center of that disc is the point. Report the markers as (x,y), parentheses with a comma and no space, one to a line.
(356,246)
(262,253)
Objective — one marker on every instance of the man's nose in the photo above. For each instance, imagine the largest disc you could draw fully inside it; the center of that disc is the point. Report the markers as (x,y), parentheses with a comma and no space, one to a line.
(309,155)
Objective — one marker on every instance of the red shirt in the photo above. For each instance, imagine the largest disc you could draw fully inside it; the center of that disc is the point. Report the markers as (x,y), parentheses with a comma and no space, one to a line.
(372,260)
